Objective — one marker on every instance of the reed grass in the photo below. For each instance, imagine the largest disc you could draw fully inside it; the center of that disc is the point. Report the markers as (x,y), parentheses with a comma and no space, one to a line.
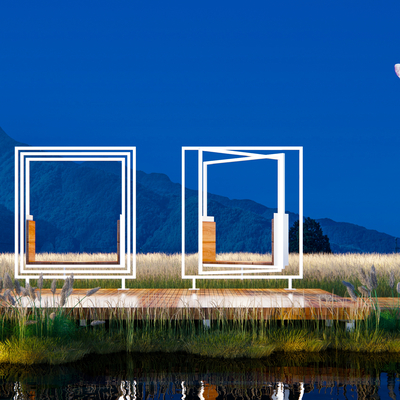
(30,333)
(158,270)
(235,340)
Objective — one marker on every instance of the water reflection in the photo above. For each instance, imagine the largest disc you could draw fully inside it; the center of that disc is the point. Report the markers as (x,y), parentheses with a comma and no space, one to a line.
(128,390)
(179,377)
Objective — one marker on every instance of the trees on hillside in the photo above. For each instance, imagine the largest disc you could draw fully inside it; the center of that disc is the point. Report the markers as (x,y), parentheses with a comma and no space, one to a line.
(314,241)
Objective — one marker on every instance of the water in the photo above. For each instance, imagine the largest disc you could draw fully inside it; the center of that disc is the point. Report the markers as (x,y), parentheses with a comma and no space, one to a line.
(182,377)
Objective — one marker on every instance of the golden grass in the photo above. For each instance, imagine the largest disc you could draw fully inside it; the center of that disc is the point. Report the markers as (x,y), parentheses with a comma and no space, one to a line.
(44,338)
(325,271)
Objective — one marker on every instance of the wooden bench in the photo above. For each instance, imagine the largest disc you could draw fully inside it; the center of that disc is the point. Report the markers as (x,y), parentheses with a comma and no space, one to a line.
(31,249)
(209,247)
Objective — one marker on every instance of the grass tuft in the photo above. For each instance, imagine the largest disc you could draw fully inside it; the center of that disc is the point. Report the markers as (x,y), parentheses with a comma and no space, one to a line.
(32,334)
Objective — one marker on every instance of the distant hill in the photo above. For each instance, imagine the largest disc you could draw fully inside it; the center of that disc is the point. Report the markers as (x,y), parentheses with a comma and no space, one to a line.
(6,231)
(351,238)
(76,207)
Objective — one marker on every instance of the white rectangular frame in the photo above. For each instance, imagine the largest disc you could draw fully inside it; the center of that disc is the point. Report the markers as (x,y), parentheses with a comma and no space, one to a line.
(202,196)
(24,156)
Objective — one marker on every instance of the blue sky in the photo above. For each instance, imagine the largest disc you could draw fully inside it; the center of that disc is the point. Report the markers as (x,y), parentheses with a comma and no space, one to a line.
(161,75)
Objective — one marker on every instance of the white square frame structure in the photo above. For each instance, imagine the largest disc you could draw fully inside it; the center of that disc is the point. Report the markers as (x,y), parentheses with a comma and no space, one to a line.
(281,226)
(125,268)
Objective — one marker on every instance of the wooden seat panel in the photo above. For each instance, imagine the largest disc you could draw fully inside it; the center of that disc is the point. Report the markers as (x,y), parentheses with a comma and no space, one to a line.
(31,249)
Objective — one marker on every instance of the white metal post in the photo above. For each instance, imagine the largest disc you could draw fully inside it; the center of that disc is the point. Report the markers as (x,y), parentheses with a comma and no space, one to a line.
(183,194)
(27,189)
(281,183)
(200,214)
(133,214)
(205,189)
(301,212)
(122,223)
(22,218)
(130,206)
(16,213)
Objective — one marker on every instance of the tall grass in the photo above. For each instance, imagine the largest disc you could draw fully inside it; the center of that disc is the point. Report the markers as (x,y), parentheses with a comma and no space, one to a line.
(31,333)
(158,270)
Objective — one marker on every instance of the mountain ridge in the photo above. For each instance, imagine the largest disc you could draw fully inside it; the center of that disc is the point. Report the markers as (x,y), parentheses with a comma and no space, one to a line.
(77,206)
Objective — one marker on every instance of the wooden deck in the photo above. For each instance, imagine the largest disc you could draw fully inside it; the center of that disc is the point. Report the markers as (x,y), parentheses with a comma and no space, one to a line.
(214,303)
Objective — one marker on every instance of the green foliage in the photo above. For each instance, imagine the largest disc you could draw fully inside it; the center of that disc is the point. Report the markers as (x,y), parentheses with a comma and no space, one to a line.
(314,241)
(35,350)
(228,344)
(229,339)
(50,335)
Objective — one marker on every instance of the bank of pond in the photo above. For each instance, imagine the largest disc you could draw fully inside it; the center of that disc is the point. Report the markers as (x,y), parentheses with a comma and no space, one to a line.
(57,338)
(34,334)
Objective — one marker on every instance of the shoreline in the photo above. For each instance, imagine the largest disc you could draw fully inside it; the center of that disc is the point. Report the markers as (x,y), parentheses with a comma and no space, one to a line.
(227,343)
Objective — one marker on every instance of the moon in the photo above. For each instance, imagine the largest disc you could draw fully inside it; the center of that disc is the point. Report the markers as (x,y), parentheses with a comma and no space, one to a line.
(397,69)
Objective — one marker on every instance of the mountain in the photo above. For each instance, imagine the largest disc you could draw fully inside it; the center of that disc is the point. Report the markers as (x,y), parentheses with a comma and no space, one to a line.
(76,207)
(351,238)
(6,231)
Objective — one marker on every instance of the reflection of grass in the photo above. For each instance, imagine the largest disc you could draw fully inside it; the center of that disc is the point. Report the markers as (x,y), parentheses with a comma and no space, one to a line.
(161,375)
(240,378)
(37,334)
(323,271)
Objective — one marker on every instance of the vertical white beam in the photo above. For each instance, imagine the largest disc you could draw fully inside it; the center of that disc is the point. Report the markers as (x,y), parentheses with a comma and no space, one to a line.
(16,211)
(27,189)
(122,235)
(205,189)
(200,214)
(128,212)
(281,183)
(183,212)
(301,212)
(22,222)
(134,212)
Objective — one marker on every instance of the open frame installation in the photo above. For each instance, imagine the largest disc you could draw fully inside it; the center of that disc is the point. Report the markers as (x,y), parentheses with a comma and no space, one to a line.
(26,265)
(208,266)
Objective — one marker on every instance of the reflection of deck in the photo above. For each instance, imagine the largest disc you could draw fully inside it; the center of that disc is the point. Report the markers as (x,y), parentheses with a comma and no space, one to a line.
(212,303)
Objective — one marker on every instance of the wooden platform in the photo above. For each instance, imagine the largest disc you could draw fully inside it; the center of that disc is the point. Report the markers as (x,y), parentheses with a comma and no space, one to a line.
(214,303)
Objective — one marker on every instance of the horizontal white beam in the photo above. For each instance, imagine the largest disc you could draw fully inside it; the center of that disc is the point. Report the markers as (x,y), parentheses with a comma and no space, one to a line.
(262,148)
(61,148)
(74,159)
(67,273)
(233,271)
(242,277)
(248,266)
(244,158)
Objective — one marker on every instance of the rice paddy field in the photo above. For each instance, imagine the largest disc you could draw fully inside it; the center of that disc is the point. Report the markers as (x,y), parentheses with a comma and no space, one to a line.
(32,335)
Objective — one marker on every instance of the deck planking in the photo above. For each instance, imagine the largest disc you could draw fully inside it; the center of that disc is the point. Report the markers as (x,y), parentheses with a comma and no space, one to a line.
(214,303)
